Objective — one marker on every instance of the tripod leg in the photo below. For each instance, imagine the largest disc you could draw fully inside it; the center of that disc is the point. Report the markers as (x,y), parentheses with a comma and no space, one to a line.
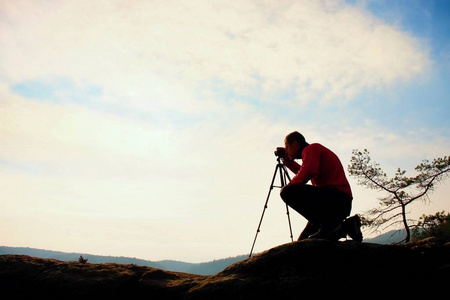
(286,173)
(264,210)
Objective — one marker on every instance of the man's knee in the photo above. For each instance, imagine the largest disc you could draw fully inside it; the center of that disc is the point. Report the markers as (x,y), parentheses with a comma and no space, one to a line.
(286,193)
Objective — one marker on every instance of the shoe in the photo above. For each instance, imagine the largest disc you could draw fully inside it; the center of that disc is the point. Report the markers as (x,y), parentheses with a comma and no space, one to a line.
(352,227)
(333,234)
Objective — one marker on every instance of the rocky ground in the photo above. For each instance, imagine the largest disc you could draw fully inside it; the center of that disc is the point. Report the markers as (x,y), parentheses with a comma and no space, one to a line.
(294,270)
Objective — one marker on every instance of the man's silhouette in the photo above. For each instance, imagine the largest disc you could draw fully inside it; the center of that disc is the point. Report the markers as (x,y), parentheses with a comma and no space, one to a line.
(328,201)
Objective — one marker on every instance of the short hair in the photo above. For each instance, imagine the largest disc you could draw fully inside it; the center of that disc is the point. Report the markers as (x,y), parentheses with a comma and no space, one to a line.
(295,136)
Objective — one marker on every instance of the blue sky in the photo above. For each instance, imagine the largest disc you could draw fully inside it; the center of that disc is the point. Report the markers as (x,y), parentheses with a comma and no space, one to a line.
(139,129)
(428,21)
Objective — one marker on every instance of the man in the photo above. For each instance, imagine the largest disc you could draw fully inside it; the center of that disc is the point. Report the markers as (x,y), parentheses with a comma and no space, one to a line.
(328,201)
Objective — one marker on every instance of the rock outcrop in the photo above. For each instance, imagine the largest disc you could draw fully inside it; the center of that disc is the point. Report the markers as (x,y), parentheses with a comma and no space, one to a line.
(309,267)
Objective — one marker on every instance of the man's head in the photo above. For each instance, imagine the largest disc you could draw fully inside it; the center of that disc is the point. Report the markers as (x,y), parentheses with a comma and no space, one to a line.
(294,144)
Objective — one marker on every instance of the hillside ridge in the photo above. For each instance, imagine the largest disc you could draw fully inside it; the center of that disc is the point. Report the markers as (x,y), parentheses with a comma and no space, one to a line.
(278,273)
(203,268)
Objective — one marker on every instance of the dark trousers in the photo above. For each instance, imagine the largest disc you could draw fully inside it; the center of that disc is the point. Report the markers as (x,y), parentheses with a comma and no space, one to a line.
(321,206)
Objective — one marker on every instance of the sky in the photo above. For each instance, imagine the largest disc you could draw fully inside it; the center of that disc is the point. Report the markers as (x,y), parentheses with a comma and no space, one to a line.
(147,128)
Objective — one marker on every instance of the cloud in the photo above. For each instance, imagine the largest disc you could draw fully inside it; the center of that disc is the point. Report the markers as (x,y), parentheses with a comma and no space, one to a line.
(328,52)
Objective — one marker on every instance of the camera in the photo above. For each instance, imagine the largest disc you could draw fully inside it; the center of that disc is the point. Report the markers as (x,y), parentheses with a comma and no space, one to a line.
(280,152)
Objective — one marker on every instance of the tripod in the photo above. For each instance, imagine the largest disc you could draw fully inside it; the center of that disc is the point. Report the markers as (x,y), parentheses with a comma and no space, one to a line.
(283,176)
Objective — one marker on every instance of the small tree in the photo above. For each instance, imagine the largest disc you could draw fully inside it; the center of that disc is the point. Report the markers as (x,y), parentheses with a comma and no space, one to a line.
(437,225)
(399,190)
(82,259)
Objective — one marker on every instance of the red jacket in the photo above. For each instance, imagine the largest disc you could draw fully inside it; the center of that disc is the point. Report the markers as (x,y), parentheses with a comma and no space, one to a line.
(322,167)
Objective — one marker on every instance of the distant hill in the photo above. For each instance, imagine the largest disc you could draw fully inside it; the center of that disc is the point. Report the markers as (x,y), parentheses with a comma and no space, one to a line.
(390,237)
(207,268)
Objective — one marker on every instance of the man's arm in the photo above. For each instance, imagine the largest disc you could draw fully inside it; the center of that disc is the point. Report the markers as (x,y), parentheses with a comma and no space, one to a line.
(292,165)
(310,166)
